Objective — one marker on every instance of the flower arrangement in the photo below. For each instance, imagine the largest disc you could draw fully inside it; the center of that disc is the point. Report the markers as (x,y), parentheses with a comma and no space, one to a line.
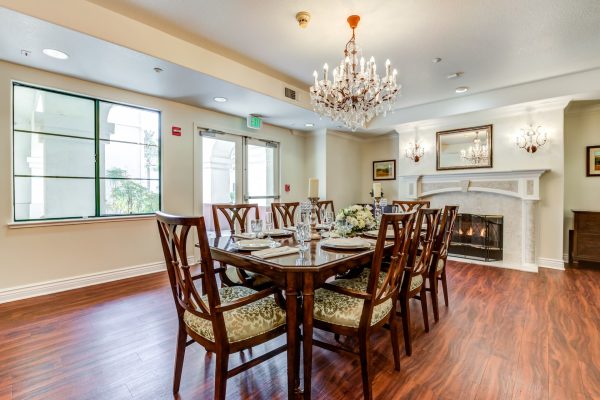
(354,219)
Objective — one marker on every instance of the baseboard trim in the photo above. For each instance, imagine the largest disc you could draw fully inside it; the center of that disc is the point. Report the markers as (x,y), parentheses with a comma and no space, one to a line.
(76,282)
(498,264)
(551,263)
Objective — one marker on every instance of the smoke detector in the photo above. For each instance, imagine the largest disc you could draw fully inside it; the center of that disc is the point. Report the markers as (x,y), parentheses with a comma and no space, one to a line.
(303,18)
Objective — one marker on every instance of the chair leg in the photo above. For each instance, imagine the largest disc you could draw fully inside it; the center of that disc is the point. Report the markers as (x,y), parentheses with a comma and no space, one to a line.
(424,308)
(405,310)
(179,355)
(221,375)
(445,286)
(365,366)
(336,336)
(395,343)
(433,286)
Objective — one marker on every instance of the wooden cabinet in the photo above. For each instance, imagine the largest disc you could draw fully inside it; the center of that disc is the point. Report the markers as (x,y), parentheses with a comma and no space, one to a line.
(586,236)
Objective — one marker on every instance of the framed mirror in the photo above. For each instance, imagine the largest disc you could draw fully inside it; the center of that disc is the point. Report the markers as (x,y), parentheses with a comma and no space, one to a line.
(464,148)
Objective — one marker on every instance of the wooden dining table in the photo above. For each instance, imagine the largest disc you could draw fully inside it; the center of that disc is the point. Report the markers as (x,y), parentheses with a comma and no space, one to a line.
(298,276)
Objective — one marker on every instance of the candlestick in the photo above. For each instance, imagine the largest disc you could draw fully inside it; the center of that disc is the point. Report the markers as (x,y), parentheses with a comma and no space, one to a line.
(313,218)
(377,189)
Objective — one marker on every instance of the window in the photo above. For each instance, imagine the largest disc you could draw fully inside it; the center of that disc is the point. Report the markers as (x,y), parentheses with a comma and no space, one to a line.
(78,157)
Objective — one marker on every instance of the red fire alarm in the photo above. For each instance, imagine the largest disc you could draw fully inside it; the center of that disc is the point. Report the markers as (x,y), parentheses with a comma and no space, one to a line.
(287,187)
(176,131)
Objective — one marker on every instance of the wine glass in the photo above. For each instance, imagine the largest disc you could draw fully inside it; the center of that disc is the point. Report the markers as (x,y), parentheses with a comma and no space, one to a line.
(269,223)
(328,219)
(256,226)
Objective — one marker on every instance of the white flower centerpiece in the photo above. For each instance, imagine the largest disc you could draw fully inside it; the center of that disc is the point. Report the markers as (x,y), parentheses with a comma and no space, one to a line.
(354,219)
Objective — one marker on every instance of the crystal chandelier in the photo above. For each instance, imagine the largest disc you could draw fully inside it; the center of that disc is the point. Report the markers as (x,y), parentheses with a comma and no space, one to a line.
(356,93)
(531,139)
(477,153)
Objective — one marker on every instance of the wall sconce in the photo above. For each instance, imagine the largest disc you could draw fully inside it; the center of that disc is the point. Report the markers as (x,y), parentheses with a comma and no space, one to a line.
(415,149)
(531,139)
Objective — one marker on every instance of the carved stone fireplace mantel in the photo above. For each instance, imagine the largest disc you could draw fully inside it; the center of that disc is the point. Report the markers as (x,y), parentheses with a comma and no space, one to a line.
(518,184)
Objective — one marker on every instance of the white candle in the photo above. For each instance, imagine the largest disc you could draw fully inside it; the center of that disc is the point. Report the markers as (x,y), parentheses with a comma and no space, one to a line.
(313,187)
(377,190)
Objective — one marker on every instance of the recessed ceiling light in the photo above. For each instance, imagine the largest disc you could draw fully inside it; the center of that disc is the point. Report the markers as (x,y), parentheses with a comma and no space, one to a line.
(455,75)
(436,60)
(461,89)
(55,54)
(220,99)
(309,125)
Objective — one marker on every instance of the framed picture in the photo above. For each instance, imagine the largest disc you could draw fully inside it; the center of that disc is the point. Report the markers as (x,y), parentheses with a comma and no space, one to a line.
(464,148)
(593,161)
(384,170)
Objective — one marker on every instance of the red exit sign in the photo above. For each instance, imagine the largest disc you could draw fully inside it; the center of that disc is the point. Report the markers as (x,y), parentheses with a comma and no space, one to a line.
(176,131)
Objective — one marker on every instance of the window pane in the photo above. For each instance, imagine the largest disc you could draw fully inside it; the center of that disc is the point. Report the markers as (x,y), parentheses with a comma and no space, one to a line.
(261,173)
(40,198)
(128,196)
(48,155)
(128,124)
(42,111)
(126,160)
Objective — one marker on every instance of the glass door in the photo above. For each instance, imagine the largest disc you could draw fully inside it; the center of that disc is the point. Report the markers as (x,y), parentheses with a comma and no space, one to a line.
(261,172)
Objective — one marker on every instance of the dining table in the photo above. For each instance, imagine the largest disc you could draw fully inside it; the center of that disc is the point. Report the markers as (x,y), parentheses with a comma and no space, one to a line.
(297,276)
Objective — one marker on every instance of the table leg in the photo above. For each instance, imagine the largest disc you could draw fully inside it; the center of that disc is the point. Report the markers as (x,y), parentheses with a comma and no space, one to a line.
(307,330)
(291,301)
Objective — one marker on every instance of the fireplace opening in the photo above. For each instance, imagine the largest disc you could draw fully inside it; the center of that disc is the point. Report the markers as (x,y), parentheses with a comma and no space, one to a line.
(478,237)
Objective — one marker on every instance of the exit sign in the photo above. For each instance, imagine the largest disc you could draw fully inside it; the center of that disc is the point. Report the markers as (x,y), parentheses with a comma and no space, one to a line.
(254,122)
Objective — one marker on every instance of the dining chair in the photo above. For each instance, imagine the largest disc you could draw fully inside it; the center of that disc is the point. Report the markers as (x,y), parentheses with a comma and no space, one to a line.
(237,215)
(223,321)
(437,267)
(322,206)
(354,307)
(286,212)
(406,206)
(413,281)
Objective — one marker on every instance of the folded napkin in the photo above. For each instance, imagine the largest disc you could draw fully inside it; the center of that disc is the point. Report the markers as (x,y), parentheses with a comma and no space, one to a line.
(246,235)
(349,242)
(276,252)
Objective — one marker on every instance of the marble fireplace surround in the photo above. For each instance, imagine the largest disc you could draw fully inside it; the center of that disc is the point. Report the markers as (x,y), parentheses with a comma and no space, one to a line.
(512,194)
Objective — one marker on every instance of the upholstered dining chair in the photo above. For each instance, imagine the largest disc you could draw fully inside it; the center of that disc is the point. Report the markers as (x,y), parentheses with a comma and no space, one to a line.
(223,321)
(322,206)
(356,307)
(406,206)
(437,267)
(413,282)
(286,212)
(237,215)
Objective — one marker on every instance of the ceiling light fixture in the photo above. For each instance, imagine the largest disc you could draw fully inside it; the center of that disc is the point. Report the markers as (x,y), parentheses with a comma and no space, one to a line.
(309,125)
(455,75)
(356,93)
(220,99)
(531,139)
(462,89)
(436,60)
(55,54)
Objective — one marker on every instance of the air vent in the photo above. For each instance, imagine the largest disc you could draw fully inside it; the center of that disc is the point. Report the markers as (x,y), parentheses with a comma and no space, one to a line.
(290,93)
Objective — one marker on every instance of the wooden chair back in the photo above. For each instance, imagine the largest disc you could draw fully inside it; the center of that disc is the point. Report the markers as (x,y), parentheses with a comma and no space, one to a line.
(406,206)
(234,213)
(444,234)
(174,235)
(403,226)
(286,212)
(426,227)
(322,206)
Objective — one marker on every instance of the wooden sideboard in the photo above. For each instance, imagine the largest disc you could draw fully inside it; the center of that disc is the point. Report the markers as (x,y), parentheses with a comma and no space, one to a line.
(586,236)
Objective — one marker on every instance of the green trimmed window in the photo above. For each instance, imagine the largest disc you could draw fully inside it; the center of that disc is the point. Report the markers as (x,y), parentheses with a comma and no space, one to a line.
(80,157)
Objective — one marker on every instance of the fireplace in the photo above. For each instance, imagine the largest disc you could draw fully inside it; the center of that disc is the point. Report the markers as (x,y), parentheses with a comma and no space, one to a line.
(478,237)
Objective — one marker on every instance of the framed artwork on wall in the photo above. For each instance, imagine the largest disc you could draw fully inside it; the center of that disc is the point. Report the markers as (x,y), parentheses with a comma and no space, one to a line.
(384,170)
(593,160)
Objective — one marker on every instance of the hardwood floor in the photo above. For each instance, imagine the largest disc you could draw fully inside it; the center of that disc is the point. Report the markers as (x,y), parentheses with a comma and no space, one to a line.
(506,335)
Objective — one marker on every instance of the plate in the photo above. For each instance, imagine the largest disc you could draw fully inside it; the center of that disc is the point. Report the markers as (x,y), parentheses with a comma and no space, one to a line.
(346,243)
(255,244)
(375,234)
(277,232)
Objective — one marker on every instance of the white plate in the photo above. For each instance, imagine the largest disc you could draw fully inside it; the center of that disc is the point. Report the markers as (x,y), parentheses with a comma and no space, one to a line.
(277,232)
(255,244)
(375,234)
(346,243)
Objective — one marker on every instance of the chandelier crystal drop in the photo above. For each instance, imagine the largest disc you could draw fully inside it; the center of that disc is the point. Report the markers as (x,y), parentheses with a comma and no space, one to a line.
(477,153)
(356,93)
(531,139)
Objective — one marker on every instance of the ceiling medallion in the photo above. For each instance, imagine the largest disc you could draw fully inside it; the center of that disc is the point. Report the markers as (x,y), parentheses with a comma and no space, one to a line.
(356,93)
(477,153)
(531,139)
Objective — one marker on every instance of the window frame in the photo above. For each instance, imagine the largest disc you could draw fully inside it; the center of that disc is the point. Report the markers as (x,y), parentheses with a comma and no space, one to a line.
(96,140)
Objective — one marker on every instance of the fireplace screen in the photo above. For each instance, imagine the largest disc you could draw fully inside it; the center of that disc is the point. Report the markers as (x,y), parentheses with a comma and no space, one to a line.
(478,237)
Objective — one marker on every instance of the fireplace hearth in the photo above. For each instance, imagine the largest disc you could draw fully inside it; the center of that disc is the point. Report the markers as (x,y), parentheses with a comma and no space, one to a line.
(478,237)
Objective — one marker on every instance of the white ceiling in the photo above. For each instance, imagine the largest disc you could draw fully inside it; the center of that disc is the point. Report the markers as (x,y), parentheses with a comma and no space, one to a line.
(501,46)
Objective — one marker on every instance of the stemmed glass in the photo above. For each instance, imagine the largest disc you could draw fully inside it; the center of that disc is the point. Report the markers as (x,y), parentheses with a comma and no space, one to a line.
(328,220)
(303,229)
(256,227)
(269,223)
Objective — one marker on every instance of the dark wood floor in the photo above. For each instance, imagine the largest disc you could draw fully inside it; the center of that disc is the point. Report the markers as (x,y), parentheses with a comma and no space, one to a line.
(506,335)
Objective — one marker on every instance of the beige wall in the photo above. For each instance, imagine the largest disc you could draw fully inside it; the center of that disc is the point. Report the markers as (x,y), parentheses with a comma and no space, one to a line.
(582,128)
(377,149)
(32,255)
(343,158)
